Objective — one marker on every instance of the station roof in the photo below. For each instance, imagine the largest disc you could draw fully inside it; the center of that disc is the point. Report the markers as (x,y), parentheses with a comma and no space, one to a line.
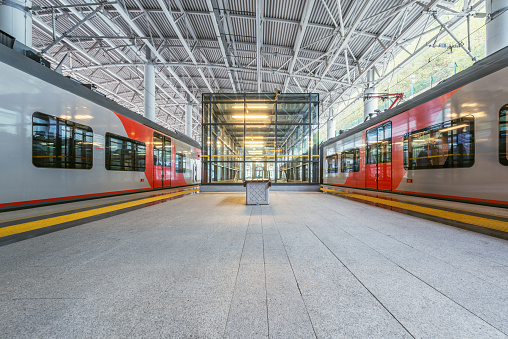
(234,46)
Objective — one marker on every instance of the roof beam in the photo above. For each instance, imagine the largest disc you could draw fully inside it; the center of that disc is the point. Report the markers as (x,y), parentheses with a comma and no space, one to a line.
(154,50)
(259,40)
(389,47)
(309,4)
(346,39)
(251,70)
(172,21)
(219,33)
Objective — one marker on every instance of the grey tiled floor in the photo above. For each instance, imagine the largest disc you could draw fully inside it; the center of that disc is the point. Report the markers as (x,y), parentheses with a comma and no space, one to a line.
(208,266)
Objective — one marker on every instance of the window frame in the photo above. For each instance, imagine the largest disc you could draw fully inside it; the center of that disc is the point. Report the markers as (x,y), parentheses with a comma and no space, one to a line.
(335,159)
(180,162)
(437,128)
(134,167)
(68,140)
(355,167)
(382,147)
(503,136)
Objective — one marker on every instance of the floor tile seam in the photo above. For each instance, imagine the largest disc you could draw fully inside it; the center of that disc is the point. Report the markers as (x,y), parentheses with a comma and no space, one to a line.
(236,280)
(452,300)
(421,279)
(264,271)
(416,249)
(359,280)
(396,239)
(441,214)
(296,281)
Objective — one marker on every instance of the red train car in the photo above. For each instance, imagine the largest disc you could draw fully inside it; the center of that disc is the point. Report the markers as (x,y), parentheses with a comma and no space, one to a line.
(449,142)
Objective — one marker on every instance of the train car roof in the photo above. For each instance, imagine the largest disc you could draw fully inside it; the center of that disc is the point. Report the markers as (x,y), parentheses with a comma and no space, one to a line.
(25,64)
(480,69)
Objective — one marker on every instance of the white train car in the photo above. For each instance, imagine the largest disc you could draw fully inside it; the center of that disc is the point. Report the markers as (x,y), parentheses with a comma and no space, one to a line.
(62,141)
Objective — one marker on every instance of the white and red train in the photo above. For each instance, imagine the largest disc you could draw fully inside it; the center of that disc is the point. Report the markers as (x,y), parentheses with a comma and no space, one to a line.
(449,142)
(60,141)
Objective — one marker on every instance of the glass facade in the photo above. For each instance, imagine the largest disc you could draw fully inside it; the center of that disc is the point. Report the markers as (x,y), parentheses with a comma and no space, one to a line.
(260,136)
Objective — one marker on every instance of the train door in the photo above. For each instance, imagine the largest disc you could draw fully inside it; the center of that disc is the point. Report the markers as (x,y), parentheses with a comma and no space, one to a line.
(166,182)
(158,158)
(379,157)
(161,161)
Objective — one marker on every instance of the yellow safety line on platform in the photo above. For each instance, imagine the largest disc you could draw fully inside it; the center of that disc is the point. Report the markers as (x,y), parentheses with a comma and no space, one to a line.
(34,225)
(468,219)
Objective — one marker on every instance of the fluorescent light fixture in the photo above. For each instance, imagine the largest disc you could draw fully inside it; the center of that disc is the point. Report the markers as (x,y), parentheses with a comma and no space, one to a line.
(251,106)
(252,137)
(452,128)
(250,116)
(254,145)
(255,142)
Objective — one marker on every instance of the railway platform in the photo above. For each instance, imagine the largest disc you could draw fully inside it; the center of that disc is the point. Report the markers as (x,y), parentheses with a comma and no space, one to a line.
(309,265)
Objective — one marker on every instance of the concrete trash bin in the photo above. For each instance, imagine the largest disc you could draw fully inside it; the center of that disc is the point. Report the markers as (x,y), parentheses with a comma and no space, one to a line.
(257,191)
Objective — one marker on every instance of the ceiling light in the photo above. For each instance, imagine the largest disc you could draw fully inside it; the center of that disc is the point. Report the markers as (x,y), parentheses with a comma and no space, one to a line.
(251,106)
(250,116)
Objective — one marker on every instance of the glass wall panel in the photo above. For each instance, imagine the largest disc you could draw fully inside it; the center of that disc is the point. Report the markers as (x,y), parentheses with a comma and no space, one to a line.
(314,112)
(226,172)
(293,172)
(293,142)
(260,136)
(258,170)
(314,171)
(293,97)
(293,113)
(259,143)
(314,144)
(226,97)
(256,97)
(226,143)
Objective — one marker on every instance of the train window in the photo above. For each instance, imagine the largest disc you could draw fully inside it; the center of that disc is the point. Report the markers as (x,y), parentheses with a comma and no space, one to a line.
(333,163)
(379,144)
(124,154)
(385,143)
(59,143)
(503,139)
(372,146)
(180,164)
(167,152)
(446,145)
(161,150)
(158,155)
(350,160)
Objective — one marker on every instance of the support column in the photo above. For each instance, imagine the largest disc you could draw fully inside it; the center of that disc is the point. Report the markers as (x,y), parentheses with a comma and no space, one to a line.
(496,36)
(370,104)
(16,20)
(149,86)
(188,118)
